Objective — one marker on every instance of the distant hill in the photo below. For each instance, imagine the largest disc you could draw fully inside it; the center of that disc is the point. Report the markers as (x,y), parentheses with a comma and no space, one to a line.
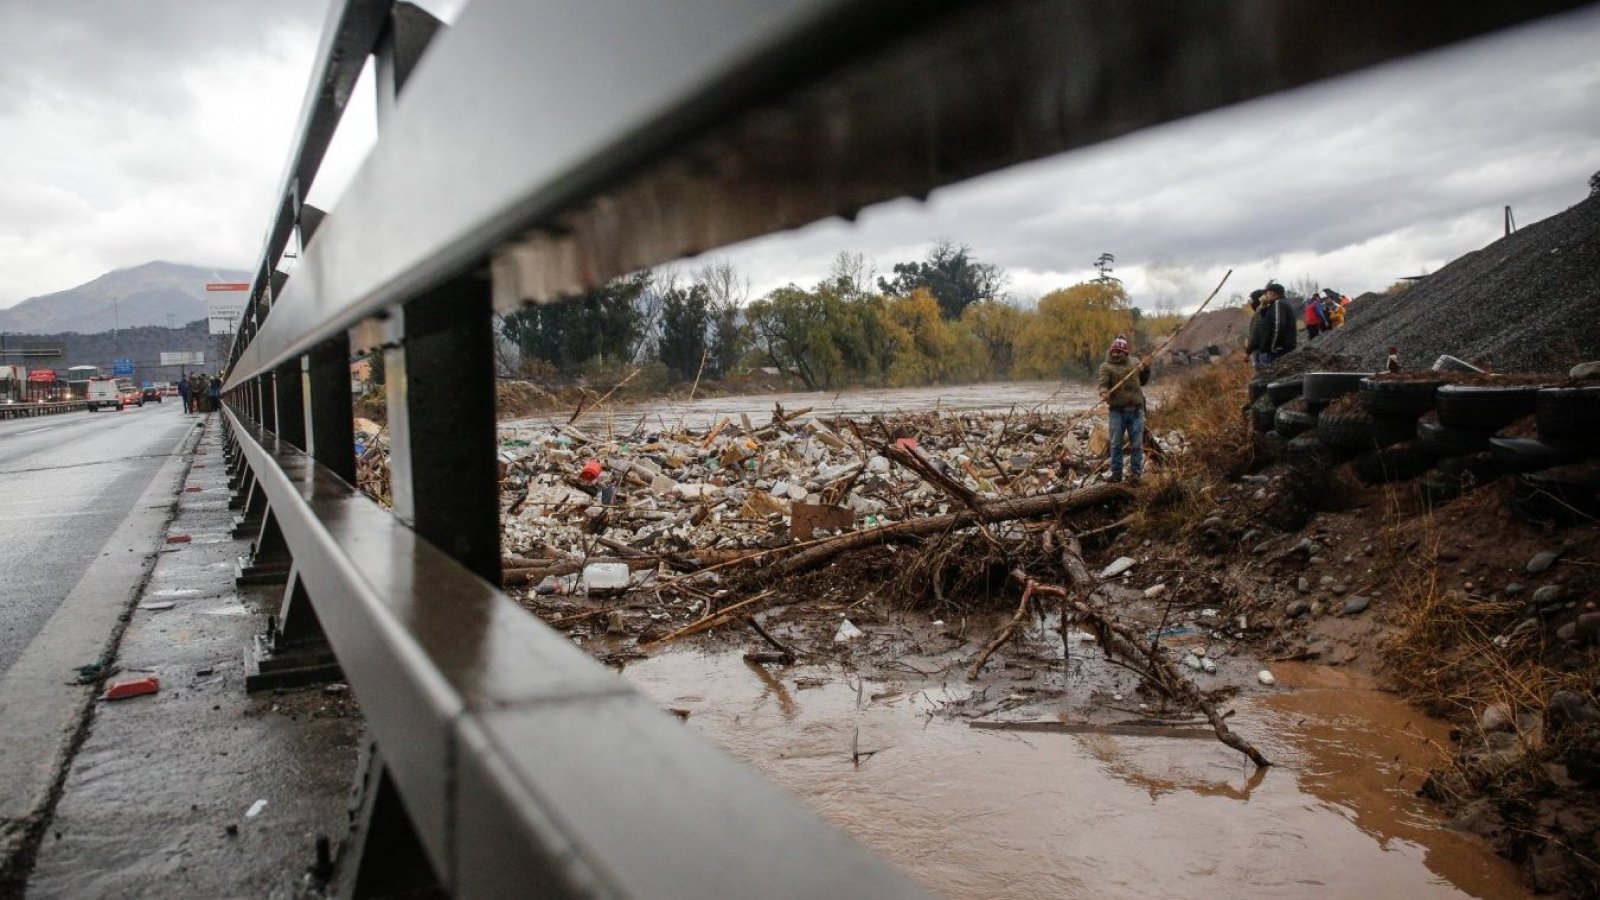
(156,293)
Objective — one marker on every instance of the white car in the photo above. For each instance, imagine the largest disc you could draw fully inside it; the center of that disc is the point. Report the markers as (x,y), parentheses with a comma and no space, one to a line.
(104,394)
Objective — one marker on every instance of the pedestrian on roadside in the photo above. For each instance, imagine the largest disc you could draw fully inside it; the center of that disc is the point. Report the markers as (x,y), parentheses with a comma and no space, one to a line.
(1282,338)
(214,391)
(183,393)
(1121,381)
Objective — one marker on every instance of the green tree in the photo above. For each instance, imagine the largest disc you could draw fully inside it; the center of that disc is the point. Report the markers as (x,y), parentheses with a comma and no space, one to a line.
(790,326)
(951,274)
(603,324)
(726,292)
(685,320)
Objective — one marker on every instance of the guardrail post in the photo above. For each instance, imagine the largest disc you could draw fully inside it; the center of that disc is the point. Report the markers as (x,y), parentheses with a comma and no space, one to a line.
(439,385)
(331,441)
(290,414)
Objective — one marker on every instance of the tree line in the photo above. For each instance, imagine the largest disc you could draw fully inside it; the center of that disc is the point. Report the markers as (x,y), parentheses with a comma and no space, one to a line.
(944,319)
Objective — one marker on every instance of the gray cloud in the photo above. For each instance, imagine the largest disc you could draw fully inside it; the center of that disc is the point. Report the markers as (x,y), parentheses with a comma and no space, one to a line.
(158,128)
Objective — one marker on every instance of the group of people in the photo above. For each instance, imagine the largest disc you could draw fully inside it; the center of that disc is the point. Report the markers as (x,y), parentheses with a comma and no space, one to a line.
(1274,326)
(1324,312)
(200,393)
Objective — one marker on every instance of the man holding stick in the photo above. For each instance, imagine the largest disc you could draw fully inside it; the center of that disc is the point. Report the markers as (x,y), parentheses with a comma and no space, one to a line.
(1120,391)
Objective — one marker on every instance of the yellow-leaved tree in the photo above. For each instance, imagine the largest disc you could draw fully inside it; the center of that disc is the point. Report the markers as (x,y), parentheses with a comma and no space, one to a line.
(1068,334)
(996,325)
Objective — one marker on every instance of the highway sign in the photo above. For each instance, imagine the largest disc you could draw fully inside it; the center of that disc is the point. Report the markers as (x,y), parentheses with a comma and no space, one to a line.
(121,367)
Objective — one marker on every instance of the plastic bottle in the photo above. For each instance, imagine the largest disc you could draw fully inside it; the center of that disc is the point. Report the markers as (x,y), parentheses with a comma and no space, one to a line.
(591,471)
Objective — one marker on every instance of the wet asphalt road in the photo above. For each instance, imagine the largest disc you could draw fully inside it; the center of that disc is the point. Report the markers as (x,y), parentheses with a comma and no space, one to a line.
(66,482)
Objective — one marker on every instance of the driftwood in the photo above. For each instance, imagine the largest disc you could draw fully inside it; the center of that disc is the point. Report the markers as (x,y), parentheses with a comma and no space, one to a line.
(1158,673)
(1005,633)
(1033,507)
(1128,727)
(706,622)
(783,650)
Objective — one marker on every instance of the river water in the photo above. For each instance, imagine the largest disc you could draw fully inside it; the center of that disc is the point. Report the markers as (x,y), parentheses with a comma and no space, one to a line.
(1024,396)
(996,814)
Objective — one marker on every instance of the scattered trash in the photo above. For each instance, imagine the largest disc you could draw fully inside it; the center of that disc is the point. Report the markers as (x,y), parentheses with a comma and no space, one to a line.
(133,687)
(157,605)
(178,538)
(1118,566)
(1266,678)
(255,809)
(847,631)
(93,672)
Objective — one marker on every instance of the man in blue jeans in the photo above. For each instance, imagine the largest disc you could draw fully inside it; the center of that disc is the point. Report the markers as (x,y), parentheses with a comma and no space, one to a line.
(1121,391)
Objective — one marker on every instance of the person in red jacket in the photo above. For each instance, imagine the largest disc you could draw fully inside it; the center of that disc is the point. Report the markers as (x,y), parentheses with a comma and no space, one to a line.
(1316,321)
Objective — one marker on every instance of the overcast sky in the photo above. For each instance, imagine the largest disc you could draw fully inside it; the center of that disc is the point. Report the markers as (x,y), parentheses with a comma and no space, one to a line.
(158,129)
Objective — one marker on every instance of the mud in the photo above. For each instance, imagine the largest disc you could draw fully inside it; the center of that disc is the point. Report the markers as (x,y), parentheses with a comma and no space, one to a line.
(982,813)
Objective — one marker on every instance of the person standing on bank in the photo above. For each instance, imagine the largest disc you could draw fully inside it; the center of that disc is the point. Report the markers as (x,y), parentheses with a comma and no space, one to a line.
(1120,390)
(1284,322)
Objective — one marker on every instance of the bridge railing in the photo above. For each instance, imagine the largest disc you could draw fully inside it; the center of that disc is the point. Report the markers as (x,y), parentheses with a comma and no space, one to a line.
(532,150)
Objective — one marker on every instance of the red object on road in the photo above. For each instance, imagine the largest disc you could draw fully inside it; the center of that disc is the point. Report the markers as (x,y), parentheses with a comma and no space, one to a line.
(908,443)
(133,687)
(194,490)
(591,471)
(178,539)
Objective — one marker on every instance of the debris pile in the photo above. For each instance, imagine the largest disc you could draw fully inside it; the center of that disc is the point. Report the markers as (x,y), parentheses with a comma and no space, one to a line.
(671,503)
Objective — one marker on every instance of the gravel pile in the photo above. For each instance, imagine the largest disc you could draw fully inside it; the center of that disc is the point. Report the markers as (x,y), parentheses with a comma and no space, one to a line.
(1528,302)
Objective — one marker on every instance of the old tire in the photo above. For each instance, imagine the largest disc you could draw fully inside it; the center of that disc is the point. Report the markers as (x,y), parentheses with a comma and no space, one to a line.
(1479,468)
(1563,495)
(1442,440)
(1258,386)
(1357,430)
(1397,398)
(1325,387)
(1485,407)
(1263,414)
(1285,389)
(1524,455)
(1569,416)
(1292,423)
(1398,463)
(1436,489)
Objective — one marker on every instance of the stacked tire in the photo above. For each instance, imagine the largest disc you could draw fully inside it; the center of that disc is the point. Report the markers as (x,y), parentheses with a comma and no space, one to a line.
(1568,420)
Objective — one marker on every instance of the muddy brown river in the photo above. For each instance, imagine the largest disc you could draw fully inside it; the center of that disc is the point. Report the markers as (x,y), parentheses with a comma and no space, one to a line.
(1053,396)
(992,814)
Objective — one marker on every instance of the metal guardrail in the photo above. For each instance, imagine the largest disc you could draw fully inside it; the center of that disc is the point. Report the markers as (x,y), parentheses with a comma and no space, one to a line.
(29,410)
(536,149)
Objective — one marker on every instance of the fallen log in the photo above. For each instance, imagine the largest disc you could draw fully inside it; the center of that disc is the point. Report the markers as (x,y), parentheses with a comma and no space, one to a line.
(992,511)
(1005,633)
(1157,672)
(1127,727)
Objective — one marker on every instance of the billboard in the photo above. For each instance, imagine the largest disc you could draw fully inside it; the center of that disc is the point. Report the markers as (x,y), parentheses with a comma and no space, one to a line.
(195,358)
(225,303)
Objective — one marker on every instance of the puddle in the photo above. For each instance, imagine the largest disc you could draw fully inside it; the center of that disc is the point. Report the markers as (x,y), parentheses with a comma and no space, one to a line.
(980,813)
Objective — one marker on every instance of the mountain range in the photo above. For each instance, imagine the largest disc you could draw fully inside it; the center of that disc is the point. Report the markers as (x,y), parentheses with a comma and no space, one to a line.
(162,294)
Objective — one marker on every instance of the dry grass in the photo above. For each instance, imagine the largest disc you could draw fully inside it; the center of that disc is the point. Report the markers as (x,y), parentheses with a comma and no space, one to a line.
(1217,444)
(1456,652)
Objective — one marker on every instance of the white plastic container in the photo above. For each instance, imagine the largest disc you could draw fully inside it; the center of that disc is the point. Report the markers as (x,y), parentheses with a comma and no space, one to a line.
(608,576)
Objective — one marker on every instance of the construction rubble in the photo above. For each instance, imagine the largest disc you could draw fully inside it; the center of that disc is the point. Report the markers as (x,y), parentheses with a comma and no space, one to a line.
(670,504)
